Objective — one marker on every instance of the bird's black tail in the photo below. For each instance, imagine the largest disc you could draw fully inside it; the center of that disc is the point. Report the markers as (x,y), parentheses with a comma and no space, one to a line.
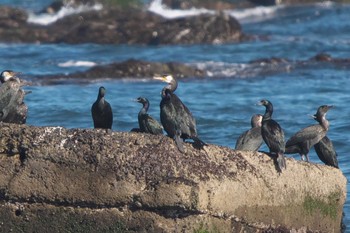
(179,142)
(281,162)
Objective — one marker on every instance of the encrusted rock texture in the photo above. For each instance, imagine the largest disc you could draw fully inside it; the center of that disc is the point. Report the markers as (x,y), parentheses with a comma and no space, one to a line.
(54,179)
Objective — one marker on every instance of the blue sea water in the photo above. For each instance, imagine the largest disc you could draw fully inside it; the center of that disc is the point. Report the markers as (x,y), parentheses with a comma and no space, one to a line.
(222,106)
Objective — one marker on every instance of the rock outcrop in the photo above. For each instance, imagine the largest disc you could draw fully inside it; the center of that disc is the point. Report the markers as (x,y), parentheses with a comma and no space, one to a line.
(84,180)
(120,26)
(131,68)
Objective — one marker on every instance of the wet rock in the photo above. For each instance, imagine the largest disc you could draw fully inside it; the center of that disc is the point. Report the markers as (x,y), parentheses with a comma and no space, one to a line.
(229,4)
(135,69)
(86,180)
(122,26)
(207,4)
(12,107)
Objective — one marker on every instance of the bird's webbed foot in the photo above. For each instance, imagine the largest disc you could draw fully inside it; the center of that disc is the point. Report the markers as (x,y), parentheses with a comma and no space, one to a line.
(198,143)
(307,158)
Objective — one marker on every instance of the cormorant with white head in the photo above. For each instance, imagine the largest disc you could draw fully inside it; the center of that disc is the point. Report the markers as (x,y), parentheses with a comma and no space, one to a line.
(101,111)
(304,139)
(8,75)
(251,139)
(273,134)
(147,123)
(176,118)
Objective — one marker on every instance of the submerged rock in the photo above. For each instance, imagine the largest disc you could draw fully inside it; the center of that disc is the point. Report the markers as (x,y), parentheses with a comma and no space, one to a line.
(85,180)
(12,107)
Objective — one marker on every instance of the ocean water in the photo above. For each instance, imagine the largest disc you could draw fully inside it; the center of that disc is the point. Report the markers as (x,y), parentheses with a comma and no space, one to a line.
(222,103)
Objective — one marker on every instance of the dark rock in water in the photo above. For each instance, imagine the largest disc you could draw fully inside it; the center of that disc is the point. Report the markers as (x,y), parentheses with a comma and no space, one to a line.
(128,69)
(12,107)
(265,2)
(207,4)
(84,180)
(121,26)
(277,2)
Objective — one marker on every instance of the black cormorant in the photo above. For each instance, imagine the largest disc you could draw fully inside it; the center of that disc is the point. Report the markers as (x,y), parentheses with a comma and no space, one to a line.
(176,118)
(251,139)
(326,152)
(101,111)
(303,140)
(273,134)
(147,123)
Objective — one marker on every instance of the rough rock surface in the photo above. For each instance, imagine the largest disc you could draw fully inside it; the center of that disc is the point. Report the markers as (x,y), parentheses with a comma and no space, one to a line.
(131,68)
(12,107)
(120,26)
(81,180)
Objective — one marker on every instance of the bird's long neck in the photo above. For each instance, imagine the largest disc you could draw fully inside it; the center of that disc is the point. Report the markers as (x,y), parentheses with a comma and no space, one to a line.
(268,112)
(172,86)
(145,107)
(166,93)
(323,121)
(101,100)
(169,89)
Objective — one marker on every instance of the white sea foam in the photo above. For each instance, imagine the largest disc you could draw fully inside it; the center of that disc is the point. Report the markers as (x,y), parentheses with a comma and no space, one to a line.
(326,4)
(255,14)
(248,14)
(242,70)
(72,63)
(221,69)
(157,7)
(45,19)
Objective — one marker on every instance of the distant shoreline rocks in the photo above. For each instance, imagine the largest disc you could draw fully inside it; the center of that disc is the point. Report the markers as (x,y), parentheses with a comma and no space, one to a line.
(133,69)
(141,70)
(120,26)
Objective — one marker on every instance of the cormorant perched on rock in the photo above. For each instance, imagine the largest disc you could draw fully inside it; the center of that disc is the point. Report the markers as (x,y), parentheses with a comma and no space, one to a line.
(251,139)
(147,123)
(7,75)
(303,140)
(273,134)
(326,152)
(101,111)
(12,107)
(176,118)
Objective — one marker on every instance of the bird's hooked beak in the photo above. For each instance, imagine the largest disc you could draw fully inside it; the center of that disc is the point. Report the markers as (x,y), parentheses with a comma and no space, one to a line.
(15,73)
(259,103)
(161,78)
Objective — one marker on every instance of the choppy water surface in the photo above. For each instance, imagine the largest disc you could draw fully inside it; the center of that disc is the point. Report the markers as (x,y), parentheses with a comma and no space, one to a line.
(222,107)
